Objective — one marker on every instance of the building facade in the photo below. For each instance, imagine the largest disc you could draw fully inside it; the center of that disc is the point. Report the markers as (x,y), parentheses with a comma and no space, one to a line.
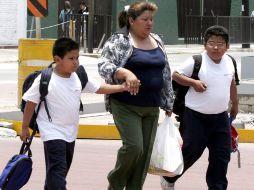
(170,20)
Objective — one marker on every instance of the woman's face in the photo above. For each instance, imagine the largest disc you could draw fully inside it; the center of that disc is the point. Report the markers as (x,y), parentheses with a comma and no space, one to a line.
(143,24)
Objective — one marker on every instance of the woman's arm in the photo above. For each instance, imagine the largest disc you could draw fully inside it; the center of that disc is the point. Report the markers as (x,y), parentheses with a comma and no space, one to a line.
(114,54)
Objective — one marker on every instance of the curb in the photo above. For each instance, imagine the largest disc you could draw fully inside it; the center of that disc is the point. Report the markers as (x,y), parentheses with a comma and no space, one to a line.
(86,131)
(8,46)
(110,132)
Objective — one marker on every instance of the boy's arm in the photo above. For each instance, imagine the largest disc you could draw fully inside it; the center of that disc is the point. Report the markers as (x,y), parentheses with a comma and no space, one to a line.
(28,113)
(109,89)
(233,98)
(198,85)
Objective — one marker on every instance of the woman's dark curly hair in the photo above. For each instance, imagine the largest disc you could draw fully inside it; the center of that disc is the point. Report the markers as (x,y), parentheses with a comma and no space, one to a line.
(135,10)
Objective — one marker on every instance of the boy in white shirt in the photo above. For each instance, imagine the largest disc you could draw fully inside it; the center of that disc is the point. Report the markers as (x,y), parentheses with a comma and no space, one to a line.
(205,121)
(63,101)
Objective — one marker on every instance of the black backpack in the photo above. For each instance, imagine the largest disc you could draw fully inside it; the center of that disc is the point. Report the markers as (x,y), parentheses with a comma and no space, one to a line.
(180,90)
(44,82)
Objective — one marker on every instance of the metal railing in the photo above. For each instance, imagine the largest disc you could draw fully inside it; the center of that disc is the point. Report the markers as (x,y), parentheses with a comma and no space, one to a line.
(77,29)
(241,29)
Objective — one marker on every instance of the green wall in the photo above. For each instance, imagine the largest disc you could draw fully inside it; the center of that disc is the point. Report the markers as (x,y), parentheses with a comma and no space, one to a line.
(236,7)
(50,20)
(251,5)
(165,19)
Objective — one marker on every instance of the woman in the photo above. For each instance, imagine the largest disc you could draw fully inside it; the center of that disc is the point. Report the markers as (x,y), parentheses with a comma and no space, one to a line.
(136,56)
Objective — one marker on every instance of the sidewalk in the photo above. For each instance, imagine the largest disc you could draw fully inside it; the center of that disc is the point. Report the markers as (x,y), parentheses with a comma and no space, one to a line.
(93,159)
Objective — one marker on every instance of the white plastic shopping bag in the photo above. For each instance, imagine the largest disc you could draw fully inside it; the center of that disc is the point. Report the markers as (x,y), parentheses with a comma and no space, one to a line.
(166,158)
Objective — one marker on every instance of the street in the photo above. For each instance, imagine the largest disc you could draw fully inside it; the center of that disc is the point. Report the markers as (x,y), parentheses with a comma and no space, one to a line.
(93,159)
(9,71)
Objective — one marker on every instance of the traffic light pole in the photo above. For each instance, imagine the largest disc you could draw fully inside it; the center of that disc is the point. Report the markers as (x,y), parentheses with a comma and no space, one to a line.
(90,26)
(246,24)
(38,27)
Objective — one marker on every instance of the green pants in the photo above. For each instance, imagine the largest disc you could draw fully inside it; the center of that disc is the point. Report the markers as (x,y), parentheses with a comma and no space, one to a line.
(137,127)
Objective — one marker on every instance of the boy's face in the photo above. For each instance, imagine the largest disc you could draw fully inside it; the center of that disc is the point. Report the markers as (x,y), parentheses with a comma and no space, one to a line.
(68,64)
(216,47)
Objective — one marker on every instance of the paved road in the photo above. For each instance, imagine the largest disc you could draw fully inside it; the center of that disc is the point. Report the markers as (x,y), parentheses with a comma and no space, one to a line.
(9,71)
(94,158)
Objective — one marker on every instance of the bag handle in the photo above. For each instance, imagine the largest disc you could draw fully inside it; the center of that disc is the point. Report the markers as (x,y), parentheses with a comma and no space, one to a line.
(25,147)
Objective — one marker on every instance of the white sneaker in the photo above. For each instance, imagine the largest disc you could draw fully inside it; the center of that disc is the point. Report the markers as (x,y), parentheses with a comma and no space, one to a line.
(166,185)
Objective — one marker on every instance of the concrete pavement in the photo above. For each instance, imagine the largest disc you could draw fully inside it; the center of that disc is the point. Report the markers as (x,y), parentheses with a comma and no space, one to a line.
(93,159)
(94,107)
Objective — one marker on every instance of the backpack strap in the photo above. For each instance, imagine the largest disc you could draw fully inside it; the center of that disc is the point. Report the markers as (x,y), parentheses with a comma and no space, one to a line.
(197,66)
(51,65)
(237,81)
(44,83)
(82,75)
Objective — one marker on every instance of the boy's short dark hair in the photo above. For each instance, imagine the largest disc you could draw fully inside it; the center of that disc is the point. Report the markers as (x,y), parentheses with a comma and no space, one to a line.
(216,30)
(63,46)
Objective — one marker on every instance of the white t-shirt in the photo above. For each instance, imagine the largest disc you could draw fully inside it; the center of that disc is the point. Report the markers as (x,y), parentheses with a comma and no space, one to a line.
(217,77)
(63,102)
